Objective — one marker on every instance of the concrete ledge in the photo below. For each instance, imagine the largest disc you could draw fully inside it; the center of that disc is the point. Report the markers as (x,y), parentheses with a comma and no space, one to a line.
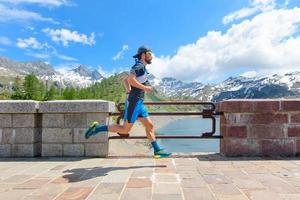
(76,106)
(18,106)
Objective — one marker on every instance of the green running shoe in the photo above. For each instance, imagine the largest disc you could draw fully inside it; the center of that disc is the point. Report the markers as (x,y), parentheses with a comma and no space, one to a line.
(91,130)
(161,154)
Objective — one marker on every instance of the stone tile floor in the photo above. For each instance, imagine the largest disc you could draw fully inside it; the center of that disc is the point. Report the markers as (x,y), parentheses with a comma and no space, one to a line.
(182,177)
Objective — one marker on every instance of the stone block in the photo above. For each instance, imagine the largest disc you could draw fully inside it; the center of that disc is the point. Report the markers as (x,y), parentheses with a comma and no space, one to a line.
(266,106)
(24,150)
(76,106)
(6,136)
(297,147)
(237,106)
(26,135)
(266,131)
(237,118)
(49,150)
(18,106)
(295,118)
(24,120)
(96,150)
(290,105)
(239,147)
(102,118)
(73,150)
(234,131)
(75,120)
(269,118)
(5,120)
(79,137)
(278,147)
(57,135)
(5,150)
(294,131)
(53,120)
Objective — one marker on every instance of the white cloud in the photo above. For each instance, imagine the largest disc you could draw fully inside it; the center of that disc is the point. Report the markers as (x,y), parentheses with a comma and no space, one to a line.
(104,72)
(66,58)
(13,14)
(65,36)
(47,51)
(48,55)
(49,3)
(256,6)
(120,54)
(267,43)
(249,74)
(39,55)
(5,41)
(30,28)
(30,42)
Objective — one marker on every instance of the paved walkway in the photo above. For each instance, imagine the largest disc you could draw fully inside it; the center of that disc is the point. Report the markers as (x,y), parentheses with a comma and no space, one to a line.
(189,177)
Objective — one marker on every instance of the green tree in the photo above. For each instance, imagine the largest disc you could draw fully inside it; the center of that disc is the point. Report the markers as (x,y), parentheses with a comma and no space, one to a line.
(34,88)
(18,89)
(69,93)
(52,94)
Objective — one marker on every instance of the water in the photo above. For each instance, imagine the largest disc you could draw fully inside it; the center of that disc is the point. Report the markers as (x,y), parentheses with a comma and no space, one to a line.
(189,126)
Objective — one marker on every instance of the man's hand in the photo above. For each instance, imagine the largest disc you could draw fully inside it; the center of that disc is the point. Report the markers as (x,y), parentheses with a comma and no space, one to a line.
(148,89)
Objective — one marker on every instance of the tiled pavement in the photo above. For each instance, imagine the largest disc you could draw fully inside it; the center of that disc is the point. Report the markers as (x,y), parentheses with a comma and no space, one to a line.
(185,177)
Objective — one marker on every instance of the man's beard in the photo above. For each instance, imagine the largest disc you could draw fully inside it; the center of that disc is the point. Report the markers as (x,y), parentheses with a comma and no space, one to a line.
(148,61)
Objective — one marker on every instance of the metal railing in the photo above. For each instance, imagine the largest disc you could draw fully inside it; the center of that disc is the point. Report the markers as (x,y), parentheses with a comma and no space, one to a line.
(206,114)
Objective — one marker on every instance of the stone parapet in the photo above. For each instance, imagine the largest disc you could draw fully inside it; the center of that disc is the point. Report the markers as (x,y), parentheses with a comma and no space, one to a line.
(20,133)
(64,123)
(52,128)
(260,127)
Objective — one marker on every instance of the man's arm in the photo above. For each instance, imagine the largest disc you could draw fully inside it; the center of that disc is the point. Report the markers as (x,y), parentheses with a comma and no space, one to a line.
(133,82)
(126,84)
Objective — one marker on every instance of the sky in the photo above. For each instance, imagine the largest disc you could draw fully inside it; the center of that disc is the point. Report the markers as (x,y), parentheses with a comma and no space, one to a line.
(195,40)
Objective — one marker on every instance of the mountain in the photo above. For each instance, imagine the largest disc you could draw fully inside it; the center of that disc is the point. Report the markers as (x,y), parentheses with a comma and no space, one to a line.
(10,68)
(79,76)
(174,88)
(271,86)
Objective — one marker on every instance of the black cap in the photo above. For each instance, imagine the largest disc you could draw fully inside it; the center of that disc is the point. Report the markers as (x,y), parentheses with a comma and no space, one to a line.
(142,49)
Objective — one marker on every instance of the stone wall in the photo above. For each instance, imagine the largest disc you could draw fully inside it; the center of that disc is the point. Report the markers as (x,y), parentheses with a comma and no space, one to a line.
(20,135)
(52,128)
(260,127)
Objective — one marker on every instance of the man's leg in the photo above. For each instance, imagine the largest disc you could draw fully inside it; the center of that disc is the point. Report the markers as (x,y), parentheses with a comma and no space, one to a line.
(149,127)
(121,129)
(158,151)
(130,116)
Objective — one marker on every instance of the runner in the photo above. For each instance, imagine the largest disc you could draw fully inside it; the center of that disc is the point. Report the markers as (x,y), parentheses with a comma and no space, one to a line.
(136,84)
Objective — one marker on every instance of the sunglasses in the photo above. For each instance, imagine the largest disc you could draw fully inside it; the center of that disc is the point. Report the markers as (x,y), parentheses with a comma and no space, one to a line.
(149,53)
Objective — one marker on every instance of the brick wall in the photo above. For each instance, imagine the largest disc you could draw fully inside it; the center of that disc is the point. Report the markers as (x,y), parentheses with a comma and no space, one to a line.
(260,127)
(52,128)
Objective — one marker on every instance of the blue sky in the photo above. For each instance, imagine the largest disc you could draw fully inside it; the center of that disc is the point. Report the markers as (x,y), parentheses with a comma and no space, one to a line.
(195,40)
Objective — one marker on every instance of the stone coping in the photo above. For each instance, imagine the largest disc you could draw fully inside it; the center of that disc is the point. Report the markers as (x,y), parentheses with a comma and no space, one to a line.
(258,105)
(18,106)
(59,106)
(76,106)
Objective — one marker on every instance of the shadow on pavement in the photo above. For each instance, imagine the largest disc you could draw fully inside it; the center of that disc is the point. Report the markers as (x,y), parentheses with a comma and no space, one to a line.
(81,174)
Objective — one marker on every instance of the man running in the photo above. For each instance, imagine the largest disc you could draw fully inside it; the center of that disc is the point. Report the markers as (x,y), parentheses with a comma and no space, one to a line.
(137,84)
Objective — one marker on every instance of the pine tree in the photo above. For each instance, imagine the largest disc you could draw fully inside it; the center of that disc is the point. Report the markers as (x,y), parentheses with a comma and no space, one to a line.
(18,89)
(52,94)
(34,88)
(69,93)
